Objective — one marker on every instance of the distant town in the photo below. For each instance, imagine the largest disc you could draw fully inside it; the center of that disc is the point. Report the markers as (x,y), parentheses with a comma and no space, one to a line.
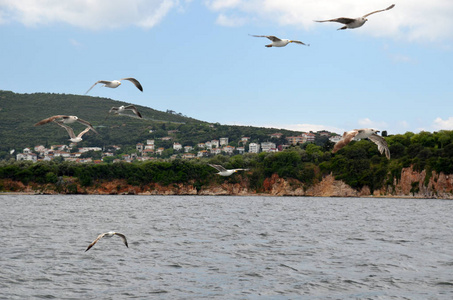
(148,150)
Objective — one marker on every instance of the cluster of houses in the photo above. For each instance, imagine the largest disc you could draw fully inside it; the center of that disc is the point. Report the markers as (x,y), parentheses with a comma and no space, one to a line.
(64,151)
(147,151)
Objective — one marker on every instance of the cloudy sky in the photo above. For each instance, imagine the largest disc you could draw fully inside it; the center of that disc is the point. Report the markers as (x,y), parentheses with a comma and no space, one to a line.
(197,57)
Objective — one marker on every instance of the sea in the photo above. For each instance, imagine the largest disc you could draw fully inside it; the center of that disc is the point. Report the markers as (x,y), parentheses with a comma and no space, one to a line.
(225,247)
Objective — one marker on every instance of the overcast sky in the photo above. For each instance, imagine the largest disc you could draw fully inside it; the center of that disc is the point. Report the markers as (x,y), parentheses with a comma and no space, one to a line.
(198,58)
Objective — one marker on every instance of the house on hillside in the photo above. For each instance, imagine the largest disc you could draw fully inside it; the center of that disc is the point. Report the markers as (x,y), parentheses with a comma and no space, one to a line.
(223,141)
(177,146)
(268,146)
(27,155)
(254,148)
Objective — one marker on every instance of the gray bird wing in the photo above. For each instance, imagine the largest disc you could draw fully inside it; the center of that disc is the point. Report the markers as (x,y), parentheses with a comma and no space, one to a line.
(134,109)
(83,132)
(68,129)
(271,37)
(88,124)
(299,42)
(218,168)
(135,82)
(376,11)
(381,143)
(99,81)
(123,237)
(95,241)
(339,20)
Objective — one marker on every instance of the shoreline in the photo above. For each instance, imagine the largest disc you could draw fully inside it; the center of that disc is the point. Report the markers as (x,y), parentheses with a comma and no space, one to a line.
(229,195)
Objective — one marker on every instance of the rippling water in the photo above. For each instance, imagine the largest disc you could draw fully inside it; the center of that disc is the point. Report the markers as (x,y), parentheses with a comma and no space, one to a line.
(192,247)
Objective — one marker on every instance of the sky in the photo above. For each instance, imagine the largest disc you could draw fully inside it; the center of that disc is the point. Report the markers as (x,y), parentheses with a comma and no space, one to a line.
(198,58)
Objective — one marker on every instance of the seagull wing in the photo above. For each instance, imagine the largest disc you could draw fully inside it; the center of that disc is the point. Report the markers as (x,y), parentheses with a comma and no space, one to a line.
(218,168)
(92,87)
(339,20)
(299,42)
(135,82)
(95,241)
(50,119)
(88,124)
(83,132)
(134,109)
(99,81)
(271,37)
(381,143)
(123,237)
(113,109)
(347,138)
(68,129)
(390,7)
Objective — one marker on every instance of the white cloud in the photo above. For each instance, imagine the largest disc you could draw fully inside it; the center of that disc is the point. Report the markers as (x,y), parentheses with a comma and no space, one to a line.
(230,21)
(419,20)
(90,14)
(366,122)
(440,124)
(75,43)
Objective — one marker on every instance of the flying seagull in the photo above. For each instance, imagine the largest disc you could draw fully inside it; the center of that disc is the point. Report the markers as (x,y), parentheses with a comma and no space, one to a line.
(355,22)
(118,110)
(66,120)
(73,138)
(225,172)
(109,235)
(276,42)
(364,133)
(116,83)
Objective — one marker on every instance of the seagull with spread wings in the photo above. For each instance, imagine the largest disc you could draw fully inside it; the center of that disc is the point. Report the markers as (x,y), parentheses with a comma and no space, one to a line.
(122,108)
(66,120)
(365,133)
(73,137)
(355,22)
(225,172)
(277,42)
(116,83)
(108,235)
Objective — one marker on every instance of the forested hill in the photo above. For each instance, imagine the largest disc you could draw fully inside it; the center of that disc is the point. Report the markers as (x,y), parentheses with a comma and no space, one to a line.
(19,112)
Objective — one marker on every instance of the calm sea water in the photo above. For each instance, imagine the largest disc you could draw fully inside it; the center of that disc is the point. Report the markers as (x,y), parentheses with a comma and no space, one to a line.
(192,247)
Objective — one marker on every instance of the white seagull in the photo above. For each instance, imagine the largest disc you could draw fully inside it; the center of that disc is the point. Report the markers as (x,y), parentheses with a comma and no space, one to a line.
(66,120)
(276,42)
(355,22)
(116,83)
(358,134)
(118,110)
(73,138)
(225,172)
(109,235)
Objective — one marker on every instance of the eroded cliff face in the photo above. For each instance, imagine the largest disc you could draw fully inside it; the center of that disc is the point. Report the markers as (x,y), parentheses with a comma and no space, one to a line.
(411,184)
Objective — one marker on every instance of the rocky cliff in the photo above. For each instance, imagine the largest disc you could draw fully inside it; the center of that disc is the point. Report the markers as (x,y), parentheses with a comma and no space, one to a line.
(411,184)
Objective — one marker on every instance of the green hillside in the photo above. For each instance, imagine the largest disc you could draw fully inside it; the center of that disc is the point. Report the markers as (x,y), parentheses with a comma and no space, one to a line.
(19,112)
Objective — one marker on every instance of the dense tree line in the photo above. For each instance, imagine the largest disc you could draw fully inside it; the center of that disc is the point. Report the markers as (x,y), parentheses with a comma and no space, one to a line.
(358,164)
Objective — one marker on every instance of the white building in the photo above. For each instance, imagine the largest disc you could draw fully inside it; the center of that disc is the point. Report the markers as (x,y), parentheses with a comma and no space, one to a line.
(215,144)
(228,149)
(177,146)
(254,148)
(267,146)
(27,156)
(223,141)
